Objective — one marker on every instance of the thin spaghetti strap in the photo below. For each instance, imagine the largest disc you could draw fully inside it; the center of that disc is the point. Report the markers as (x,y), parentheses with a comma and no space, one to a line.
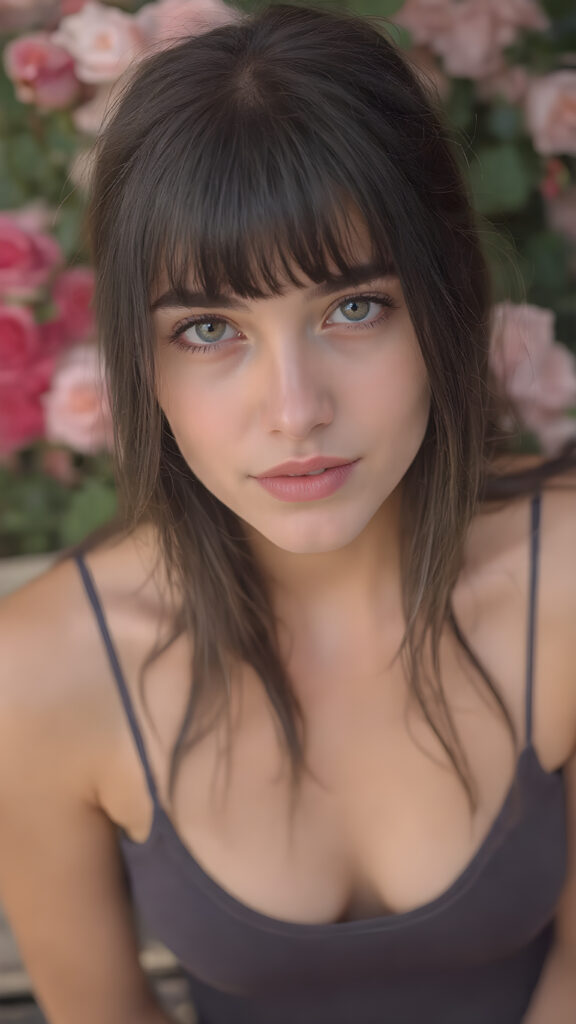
(88,581)
(531,639)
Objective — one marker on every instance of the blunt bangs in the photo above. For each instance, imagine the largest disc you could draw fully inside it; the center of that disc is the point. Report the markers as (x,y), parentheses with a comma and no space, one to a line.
(250,219)
(244,180)
(259,246)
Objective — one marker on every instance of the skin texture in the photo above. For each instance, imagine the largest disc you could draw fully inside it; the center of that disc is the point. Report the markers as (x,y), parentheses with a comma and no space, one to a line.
(298,375)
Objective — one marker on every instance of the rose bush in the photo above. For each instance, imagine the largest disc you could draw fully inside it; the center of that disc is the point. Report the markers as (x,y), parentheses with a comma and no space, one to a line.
(471,35)
(27,258)
(43,72)
(102,41)
(505,73)
(539,375)
(551,113)
(75,406)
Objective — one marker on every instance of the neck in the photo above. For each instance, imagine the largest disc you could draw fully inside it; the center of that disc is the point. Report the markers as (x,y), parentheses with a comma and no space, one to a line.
(357,583)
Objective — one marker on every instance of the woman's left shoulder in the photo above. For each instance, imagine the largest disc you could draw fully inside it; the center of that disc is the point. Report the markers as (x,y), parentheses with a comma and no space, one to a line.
(522,557)
(503,531)
(555,604)
(558,540)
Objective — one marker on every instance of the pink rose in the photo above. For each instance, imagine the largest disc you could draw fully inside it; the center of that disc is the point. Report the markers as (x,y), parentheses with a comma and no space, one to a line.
(470,35)
(537,373)
(54,337)
(36,217)
(21,419)
(37,376)
(27,258)
(551,112)
(18,339)
(76,407)
(71,7)
(556,178)
(42,72)
(102,40)
(168,21)
(480,30)
(25,373)
(426,20)
(72,294)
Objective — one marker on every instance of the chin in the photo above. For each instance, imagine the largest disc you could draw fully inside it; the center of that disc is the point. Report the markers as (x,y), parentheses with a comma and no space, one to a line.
(321,537)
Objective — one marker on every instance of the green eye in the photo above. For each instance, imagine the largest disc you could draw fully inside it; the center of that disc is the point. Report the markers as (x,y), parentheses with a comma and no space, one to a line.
(363,310)
(356,309)
(211,330)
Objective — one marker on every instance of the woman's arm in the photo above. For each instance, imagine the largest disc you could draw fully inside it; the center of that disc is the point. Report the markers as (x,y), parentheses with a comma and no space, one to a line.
(62,886)
(62,881)
(555,997)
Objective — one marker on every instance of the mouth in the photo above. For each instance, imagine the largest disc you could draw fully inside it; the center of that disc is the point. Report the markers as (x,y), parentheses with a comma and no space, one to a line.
(311,485)
(314,466)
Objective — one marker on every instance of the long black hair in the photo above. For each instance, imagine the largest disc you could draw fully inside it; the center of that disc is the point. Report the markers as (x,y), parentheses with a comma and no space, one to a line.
(240,156)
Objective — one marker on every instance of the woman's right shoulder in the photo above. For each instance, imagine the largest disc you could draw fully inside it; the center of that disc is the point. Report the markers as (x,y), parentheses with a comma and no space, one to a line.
(54,671)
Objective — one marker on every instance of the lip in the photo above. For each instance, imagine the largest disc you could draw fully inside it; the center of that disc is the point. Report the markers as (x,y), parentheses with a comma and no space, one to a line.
(304,488)
(299,467)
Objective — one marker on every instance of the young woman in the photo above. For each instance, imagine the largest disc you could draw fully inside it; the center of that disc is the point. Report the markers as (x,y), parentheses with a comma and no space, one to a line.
(310,712)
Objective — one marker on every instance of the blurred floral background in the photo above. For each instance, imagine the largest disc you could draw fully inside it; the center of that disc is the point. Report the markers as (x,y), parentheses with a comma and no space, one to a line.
(505,72)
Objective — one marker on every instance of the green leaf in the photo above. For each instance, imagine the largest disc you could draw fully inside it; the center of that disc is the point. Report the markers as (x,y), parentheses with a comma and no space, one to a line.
(558,8)
(31,505)
(61,139)
(68,228)
(505,122)
(502,257)
(500,179)
(11,110)
(376,8)
(90,507)
(460,104)
(12,193)
(25,153)
(545,260)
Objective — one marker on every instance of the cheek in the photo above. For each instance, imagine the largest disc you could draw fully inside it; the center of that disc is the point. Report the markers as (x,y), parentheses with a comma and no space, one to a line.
(196,418)
(396,395)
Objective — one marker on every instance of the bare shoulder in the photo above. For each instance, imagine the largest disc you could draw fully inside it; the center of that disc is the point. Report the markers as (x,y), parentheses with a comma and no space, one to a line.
(559,537)
(502,530)
(43,634)
(501,554)
(54,677)
(62,880)
(507,534)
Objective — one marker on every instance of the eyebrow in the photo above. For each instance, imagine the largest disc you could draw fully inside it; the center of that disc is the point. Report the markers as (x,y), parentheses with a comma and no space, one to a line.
(361,274)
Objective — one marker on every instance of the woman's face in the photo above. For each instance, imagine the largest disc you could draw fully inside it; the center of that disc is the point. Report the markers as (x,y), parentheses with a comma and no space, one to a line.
(315,371)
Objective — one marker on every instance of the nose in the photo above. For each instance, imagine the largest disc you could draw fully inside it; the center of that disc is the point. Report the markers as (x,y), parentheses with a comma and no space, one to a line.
(297,396)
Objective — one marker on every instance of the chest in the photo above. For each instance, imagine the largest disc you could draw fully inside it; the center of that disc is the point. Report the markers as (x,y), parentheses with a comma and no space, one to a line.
(381,823)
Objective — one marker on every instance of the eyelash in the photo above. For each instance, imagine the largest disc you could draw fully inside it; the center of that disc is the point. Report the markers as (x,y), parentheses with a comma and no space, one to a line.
(184,325)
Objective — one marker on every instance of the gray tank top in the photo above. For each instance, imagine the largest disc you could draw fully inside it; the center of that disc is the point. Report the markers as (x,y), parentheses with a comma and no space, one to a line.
(471,956)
